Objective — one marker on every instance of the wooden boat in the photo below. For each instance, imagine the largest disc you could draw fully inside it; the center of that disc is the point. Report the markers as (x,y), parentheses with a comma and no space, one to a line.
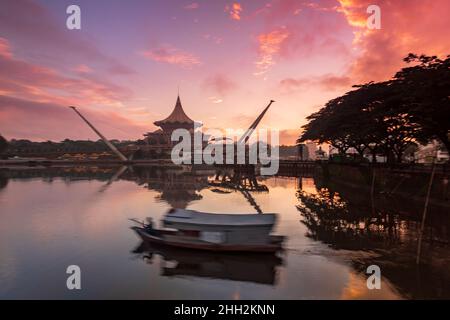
(214,232)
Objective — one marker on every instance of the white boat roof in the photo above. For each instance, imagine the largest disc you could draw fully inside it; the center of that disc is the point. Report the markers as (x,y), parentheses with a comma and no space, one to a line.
(203,218)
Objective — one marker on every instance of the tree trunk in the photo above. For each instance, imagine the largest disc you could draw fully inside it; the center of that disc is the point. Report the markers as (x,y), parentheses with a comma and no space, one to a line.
(374,156)
(399,156)
(360,151)
(342,150)
(390,156)
(373,152)
(446,142)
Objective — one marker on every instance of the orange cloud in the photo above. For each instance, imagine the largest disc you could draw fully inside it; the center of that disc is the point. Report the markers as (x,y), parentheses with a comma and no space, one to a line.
(354,11)
(171,55)
(416,26)
(288,137)
(269,46)
(234,11)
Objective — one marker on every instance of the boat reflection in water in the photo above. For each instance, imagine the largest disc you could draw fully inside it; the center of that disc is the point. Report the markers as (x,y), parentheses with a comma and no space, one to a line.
(335,230)
(237,247)
(254,267)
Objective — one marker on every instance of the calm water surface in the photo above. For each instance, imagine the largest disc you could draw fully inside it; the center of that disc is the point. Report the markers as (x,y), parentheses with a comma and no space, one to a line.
(52,218)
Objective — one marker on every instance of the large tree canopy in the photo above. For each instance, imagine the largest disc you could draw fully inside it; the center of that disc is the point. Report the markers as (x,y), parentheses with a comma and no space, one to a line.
(387,117)
(425,96)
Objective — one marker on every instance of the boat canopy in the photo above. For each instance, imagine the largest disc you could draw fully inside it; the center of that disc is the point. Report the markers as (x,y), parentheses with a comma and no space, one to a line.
(202,218)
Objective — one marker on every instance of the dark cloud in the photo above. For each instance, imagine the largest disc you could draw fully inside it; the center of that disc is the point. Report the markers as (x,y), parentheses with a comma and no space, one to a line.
(34,28)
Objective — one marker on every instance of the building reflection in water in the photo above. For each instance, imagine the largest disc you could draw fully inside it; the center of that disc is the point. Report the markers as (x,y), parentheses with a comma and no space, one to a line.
(3,181)
(363,230)
(239,178)
(177,187)
(181,187)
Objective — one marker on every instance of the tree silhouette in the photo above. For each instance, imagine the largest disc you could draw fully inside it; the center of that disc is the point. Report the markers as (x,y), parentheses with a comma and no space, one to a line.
(3,144)
(425,96)
(388,117)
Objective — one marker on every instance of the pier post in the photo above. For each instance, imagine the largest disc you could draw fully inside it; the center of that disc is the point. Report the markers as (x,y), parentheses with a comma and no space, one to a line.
(425,209)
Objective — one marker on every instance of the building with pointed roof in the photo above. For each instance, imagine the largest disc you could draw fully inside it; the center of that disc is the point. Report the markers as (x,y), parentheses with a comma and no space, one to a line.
(177,119)
(158,142)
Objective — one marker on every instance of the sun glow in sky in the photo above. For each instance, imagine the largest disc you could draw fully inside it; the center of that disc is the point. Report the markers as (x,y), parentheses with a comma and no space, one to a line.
(228,59)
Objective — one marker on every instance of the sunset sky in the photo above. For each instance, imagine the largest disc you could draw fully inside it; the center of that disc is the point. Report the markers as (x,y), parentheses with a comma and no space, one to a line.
(124,67)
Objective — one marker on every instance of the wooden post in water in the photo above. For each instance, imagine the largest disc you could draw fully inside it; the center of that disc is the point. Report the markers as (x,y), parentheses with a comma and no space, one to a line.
(425,209)
(372,191)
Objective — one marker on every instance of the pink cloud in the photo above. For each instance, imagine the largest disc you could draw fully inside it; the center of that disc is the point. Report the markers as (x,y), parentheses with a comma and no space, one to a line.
(25,119)
(234,10)
(215,39)
(192,6)
(5,49)
(269,45)
(171,55)
(82,68)
(284,10)
(333,82)
(327,82)
(220,83)
(292,84)
(20,78)
(299,29)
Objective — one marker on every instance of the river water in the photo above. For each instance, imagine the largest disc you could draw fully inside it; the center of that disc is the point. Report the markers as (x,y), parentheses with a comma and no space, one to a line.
(53,218)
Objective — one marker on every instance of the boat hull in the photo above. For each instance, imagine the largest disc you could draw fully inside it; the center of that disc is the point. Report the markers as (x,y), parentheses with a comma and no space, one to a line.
(274,245)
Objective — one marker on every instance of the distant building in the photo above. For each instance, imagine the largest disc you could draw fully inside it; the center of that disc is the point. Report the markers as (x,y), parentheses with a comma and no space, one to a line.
(309,152)
(312,148)
(158,142)
(302,152)
(426,153)
(320,154)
